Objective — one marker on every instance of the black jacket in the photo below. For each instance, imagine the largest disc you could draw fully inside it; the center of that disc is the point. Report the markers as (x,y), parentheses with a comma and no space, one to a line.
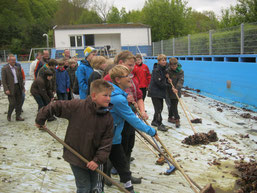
(158,83)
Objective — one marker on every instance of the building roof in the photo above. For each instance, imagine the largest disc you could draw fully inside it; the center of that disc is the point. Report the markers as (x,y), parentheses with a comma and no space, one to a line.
(102,26)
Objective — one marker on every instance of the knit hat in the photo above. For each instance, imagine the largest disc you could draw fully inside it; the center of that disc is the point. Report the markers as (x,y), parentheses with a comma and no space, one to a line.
(88,50)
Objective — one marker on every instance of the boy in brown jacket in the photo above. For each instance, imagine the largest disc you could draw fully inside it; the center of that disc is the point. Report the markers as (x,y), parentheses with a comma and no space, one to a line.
(89,132)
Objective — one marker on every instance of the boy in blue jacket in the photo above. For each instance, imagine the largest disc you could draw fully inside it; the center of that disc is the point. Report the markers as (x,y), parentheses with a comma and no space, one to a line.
(62,81)
(84,71)
(121,112)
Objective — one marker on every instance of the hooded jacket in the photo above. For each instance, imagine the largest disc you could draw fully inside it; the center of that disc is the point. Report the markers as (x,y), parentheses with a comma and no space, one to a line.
(121,112)
(62,80)
(42,87)
(83,73)
(142,73)
(177,77)
(89,132)
(41,73)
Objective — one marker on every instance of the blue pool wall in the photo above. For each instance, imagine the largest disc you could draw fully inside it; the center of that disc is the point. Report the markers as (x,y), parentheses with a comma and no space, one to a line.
(211,73)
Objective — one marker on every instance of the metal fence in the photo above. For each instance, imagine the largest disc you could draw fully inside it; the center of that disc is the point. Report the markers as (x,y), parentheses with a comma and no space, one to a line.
(240,39)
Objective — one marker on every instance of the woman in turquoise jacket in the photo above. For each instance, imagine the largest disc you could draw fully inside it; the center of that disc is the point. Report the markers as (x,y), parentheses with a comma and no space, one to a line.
(121,78)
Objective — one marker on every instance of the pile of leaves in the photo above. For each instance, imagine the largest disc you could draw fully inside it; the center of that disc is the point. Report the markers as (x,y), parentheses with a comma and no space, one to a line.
(201,138)
(248,176)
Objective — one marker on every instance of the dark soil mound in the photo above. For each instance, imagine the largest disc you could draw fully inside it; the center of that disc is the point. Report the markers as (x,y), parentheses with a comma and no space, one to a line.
(201,138)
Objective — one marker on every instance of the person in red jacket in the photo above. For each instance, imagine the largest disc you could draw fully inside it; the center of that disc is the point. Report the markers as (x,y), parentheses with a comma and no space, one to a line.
(142,73)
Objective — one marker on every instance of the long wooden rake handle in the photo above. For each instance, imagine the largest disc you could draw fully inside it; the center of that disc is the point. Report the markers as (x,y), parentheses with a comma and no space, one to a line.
(147,146)
(187,108)
(84,160)
(183,107)
(170,158)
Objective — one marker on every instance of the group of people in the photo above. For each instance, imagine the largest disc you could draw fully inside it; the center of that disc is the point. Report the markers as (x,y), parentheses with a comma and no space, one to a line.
(102,125)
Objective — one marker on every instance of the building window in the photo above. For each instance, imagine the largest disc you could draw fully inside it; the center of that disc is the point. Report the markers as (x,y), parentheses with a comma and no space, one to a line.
(72,41)
(90,40)
(76,41)
(79,41)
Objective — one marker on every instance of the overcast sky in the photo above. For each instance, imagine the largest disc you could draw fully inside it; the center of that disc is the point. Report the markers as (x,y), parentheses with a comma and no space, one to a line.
(198,5)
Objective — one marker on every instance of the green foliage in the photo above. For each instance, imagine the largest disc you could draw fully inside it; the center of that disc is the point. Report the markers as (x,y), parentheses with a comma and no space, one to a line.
(201,22)
(89,17)
(244,12)
(167,18)
(114,16)
(23,22)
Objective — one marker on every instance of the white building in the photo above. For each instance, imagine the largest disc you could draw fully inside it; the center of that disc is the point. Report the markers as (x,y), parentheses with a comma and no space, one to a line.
(116,36)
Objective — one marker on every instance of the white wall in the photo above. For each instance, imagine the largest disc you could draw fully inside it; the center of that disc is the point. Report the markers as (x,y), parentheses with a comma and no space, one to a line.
(108,39)
(128,36)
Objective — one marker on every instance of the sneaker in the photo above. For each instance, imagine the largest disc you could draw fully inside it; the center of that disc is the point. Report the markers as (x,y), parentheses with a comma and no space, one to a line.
(114,171)
(171,120)
(155,124)
(177,123)
(8,118)
(162,128)
(135,180)
(19,119)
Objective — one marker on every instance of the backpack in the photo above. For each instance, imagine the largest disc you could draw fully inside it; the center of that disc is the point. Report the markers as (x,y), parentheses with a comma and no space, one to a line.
(76,86)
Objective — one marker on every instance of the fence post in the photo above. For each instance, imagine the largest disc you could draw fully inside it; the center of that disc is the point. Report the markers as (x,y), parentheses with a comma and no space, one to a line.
(153,48)
(189,44)
(161,46)
(173,46)
(242,39)
(210,42)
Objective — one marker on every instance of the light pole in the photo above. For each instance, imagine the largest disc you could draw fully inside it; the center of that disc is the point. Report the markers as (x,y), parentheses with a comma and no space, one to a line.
(47,43)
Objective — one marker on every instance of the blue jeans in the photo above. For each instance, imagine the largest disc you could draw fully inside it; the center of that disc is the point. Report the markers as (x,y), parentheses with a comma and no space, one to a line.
(86,179)
(62,96)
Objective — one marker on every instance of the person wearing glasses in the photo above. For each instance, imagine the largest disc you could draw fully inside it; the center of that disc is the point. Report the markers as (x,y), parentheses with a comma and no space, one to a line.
(134,99)
(121,112)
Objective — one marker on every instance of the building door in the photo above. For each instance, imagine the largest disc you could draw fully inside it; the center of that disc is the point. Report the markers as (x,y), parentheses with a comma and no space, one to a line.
(90,40)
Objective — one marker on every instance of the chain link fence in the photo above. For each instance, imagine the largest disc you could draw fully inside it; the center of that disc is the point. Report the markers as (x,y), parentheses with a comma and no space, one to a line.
(240,39)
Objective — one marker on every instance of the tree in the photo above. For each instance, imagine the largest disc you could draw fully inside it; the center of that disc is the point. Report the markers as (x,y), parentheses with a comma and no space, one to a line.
(89,17)
(114,16)
(245,11)
(202,22)
(102,8)
(23,22)
(167,18)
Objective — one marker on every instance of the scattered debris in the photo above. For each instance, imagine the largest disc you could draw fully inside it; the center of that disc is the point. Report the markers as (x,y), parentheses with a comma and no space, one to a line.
(219,109)
(160,161)
(201,138)
(244,136)
(246,115)
(197,120)
(248,176)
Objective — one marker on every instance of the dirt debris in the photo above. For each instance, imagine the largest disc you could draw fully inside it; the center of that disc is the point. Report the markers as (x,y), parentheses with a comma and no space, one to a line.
(248,176)
(197,120)
(201,138)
